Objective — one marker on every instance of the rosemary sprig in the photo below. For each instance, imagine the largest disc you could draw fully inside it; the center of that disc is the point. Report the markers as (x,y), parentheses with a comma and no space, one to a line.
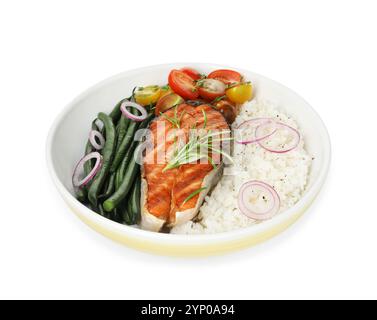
(212,162)
(218,99)
(193,194)
(175,121)
(220,152)
(191,151)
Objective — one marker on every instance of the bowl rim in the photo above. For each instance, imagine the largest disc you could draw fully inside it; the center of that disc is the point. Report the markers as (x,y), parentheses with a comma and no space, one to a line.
(190,239)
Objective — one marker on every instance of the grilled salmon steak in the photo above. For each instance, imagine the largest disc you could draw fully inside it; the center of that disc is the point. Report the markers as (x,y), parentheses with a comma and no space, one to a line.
(172,196)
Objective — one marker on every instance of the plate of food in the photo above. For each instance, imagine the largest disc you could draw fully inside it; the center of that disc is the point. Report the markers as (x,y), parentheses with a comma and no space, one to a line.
(188,159)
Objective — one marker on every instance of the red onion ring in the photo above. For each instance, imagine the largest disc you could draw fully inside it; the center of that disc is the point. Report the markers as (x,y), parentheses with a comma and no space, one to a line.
(99,124)
(256,122)
(131,116)
(286,147)
(92,138)
(80,168)
(268,193)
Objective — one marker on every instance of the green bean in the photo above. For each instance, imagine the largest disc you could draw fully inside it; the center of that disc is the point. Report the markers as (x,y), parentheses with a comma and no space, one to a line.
(81,194)
(123,190)
(124,212)
(118,176)
(126,218)
(134,201)
(122,129)
(116,129)
(107,153)
(115,114)
(146,121)
(101,211)
(116,215)
(110,187)
(130,211)
(123,166)
(126,142)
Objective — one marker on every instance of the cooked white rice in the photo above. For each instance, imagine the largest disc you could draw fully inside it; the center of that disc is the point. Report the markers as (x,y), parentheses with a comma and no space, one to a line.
(287,173)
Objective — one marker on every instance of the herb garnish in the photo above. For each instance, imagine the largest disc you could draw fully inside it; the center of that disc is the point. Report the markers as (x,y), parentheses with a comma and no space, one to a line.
(175,121)
(192,150)
(218,99)
(193,194)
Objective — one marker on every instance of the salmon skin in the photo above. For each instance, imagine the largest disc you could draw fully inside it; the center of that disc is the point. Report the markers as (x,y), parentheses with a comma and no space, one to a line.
(174,196)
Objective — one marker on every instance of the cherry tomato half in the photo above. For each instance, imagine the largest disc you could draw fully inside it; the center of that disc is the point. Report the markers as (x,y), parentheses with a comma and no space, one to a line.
(182,84)
(147,95)
(240,93)
(228,109)
(192,73)
(210,89)
(226,76)
(167,102)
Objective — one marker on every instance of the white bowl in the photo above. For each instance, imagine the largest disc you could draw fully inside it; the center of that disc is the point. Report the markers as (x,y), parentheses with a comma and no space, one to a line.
(69,132)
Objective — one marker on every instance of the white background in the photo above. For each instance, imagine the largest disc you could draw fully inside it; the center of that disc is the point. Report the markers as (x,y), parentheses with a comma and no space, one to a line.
(52,50)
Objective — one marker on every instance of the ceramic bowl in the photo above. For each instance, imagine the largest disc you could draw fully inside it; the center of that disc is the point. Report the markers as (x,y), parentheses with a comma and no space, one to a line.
(69,132)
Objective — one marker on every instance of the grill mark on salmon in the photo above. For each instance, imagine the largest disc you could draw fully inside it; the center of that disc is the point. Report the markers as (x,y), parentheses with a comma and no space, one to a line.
(159,189)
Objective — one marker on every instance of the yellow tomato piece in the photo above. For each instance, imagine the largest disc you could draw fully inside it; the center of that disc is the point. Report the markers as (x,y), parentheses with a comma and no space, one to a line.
(147,95)
(240,93)
(165,90)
